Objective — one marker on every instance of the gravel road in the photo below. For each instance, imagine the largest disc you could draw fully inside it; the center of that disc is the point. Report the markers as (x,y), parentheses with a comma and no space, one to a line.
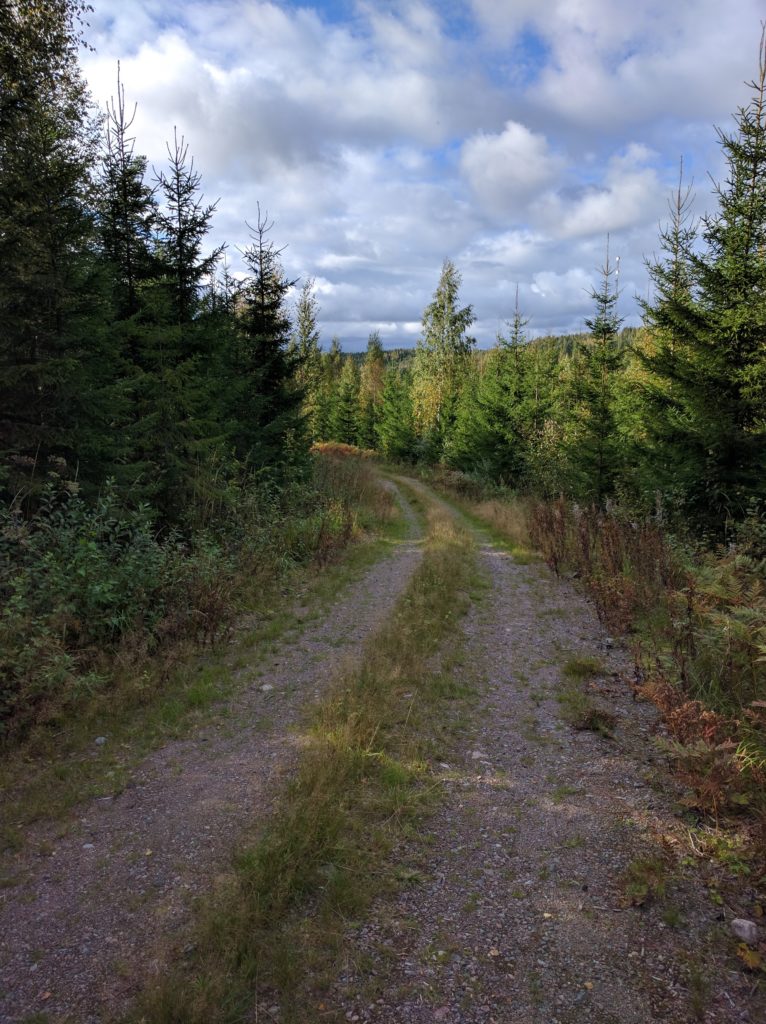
(524,915)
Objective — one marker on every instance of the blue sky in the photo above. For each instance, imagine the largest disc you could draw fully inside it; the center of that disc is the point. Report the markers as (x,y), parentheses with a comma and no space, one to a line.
(508,135)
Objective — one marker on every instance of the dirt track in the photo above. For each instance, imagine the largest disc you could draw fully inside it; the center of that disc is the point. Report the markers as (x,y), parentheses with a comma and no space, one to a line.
(91,916)
(522,911)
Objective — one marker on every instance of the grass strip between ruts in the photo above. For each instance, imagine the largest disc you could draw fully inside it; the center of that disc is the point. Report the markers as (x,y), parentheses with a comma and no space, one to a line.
(273,931)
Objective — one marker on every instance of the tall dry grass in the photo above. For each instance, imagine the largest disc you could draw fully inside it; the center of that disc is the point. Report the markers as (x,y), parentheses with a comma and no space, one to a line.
(696,621)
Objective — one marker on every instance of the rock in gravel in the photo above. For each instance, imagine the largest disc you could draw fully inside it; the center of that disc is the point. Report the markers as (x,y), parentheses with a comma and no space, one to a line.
(477,755)
(746,931)
(100,741)
(266,688)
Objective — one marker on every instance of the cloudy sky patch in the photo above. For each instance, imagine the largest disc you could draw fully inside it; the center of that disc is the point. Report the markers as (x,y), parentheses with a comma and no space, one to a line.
(382,137)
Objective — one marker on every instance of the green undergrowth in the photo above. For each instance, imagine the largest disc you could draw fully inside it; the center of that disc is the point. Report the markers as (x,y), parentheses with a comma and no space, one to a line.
(164,694)
(275,928)
(577,705)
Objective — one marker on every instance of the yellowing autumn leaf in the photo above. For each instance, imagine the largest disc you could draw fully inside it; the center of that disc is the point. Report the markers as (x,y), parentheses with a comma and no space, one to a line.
(751,958)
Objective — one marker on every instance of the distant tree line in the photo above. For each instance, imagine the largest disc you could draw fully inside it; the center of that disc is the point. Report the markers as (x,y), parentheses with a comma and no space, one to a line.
(669,417)
(130,353)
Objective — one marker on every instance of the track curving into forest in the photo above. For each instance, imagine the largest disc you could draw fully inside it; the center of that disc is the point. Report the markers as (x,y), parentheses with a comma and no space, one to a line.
(553,883)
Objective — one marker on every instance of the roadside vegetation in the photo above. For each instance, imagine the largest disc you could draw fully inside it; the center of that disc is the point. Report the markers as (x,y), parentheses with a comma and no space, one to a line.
(696,622)
(191,618)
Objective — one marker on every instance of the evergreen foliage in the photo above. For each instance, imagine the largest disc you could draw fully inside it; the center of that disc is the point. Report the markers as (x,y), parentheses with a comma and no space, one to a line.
(268,411)
(306,349)
(396,426)
(344,422)
(371,391)
(593,449)
(443,352)
(707,363)
(56,390)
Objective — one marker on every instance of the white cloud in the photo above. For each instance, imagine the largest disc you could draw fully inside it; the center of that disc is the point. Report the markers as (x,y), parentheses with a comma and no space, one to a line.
(505,168)
(380,143)
(630,194)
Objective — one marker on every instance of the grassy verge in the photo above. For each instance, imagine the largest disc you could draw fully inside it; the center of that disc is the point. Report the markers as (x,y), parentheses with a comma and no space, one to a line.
(164,695)
(576,703)
(502,515)
(275,928)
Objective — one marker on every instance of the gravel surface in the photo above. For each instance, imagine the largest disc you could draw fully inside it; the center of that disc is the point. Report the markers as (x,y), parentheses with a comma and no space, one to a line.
(523,914)
(90,918)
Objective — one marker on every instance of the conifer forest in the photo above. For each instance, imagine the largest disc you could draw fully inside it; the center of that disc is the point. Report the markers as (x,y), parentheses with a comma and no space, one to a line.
(185,460)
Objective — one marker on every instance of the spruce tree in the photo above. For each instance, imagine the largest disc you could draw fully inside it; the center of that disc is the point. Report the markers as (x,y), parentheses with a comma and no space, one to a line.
(504,403)
(269,432)
(396,426)
(715,374)
(332,366)
(127,213)
(371,391)
(56,357)
(594,446)
(178,420)
(307,353)
(344,426)
(442,354)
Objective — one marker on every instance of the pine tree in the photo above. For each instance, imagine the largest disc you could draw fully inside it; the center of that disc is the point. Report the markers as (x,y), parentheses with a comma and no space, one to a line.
(442,354)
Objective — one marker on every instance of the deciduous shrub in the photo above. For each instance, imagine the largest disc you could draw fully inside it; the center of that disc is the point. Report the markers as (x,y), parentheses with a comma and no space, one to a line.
(80,582)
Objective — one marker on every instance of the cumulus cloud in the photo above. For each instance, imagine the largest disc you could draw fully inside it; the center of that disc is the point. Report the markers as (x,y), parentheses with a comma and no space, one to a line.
(625,197)
(611,63)
(504,169)
(383,137)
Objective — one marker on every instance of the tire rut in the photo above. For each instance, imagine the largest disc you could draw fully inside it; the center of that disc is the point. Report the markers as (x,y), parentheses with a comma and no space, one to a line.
(523,917)
(114,894)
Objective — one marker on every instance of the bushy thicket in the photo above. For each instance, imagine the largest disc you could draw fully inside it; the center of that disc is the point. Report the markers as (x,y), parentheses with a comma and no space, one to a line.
(82,583)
